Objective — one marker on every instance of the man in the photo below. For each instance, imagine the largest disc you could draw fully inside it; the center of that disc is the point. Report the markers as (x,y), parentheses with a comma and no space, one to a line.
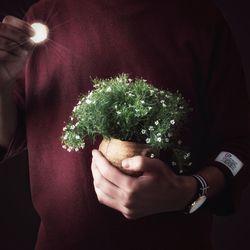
(83,201)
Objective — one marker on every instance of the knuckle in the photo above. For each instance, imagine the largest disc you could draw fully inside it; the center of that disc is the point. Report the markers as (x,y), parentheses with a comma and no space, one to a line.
(23,53)
(99,196)
(132,189)
(97,181)
(7,19)
(129,198)
(100,199)
(106,170)
(127,202)
(130,214)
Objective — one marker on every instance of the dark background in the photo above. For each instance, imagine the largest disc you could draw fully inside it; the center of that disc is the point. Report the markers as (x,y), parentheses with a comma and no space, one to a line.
(18,220)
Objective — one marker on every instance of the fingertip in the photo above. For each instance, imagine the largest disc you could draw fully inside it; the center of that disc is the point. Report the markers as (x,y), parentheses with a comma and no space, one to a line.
(125,163)
(5,19)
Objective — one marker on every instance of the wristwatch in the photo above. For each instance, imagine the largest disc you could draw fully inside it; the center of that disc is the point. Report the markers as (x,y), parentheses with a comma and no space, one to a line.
(201,196)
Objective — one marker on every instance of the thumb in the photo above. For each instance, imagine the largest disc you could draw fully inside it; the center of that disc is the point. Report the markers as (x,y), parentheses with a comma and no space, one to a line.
(143,164)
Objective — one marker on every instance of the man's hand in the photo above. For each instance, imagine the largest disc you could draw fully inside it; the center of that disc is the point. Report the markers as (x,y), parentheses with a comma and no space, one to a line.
(157,190)
(15,47)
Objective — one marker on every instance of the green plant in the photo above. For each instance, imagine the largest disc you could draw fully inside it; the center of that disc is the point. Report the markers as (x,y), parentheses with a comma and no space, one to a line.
(129,110)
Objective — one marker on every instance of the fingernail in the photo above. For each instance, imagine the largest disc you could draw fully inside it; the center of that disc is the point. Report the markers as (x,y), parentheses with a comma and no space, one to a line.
(125,163)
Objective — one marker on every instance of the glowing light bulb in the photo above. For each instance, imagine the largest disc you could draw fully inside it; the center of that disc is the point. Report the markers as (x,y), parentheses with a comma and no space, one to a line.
(41,33)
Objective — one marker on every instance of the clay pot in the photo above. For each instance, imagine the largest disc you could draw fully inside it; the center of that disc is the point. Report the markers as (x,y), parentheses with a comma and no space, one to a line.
(116,151)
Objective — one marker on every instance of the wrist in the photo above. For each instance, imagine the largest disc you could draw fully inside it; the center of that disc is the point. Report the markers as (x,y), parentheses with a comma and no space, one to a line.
(188,188)
(215,178)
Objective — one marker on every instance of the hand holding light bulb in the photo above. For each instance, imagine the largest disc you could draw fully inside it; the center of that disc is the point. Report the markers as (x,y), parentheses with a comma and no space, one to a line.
(17,41)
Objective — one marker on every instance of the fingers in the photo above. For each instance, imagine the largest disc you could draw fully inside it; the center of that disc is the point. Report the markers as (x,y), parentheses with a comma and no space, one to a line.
(143,164)
(119,191)
(102,183)
(15,34)
(111,173)
(19,24)
(110,195)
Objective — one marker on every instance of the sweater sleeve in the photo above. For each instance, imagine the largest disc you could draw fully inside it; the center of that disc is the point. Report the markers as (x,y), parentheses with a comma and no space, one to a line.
(227,119)
(18,141)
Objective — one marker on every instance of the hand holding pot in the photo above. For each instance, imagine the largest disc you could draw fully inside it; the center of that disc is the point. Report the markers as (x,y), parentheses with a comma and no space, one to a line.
(156,190)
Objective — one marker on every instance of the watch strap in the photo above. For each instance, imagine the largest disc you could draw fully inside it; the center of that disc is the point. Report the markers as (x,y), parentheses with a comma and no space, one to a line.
(201,195)
(202,185)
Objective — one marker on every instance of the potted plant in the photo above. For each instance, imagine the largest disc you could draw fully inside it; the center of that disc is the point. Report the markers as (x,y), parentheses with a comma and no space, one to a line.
(133,117)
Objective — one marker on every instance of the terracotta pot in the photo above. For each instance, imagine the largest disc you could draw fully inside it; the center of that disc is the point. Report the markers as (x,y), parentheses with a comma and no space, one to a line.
(116,151)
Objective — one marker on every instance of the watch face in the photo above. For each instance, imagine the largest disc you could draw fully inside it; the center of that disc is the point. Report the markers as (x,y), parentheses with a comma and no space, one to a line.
(197,203)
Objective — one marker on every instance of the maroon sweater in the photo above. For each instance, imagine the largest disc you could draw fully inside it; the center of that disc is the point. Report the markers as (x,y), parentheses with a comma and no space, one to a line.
(176,44)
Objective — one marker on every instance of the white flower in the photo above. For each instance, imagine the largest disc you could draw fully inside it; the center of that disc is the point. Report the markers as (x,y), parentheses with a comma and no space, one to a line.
(167,96)
(118,112)
(64,147)
(142,101)
(65,128)
(82,145)
(174,163)
(76,149)
(190,164)
(130,80)
(157,122)
(172,122)
(180,171)
(88,101)
(149,108)
(166,139)
(108,89)
(115,106)
(161,92)
(72,127)
(66,137)
(78,137)
(148,140)
(71,118)
(164,105)
(143,131)
(152,156)
(162,101)
(181,107)
(69,149)
(159,134)
(159,139)
(79,103)
(151,128)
